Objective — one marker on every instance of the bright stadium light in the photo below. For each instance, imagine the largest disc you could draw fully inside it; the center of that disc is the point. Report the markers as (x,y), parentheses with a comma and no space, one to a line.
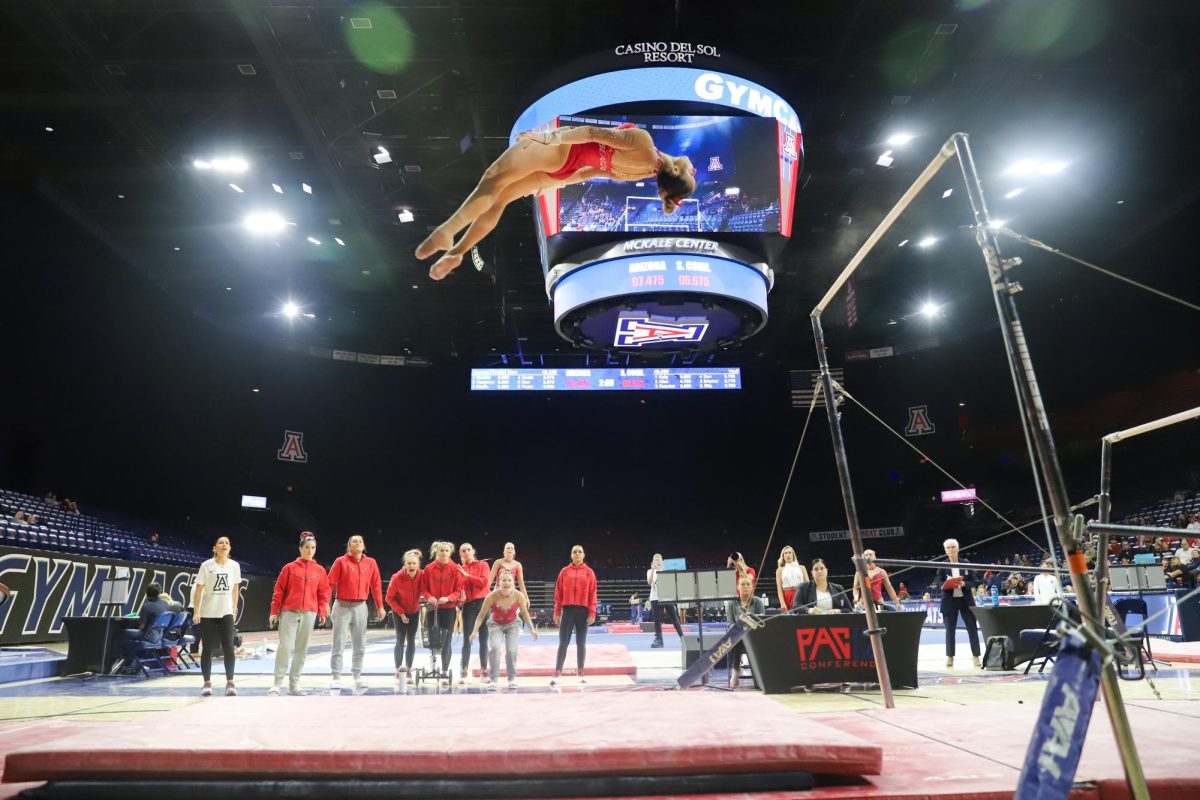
(201,164)
(928,241)
(1015,192)
(314,239)
(929,309)
(1035,167)
(290,309)
(406,215)
(885,160)
(230,164)
(264,222)
(997,224)
(899,139)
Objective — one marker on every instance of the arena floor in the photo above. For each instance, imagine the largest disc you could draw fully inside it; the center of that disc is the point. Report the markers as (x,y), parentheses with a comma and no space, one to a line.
(986,700)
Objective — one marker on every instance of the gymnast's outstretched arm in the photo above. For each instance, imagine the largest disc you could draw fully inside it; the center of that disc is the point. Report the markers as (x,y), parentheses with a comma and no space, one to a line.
(616,138)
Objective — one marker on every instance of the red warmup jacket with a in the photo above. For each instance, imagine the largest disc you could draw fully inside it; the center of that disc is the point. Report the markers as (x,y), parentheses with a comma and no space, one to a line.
(442,580)
(301,586)
(576,586)
(404,593)
(353,580)
(475,585)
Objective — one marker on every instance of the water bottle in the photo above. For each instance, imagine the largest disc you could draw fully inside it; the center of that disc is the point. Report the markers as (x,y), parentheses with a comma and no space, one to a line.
(995,595)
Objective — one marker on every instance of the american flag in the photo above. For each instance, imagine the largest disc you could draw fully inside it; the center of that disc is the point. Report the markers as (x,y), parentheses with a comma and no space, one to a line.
(804,382)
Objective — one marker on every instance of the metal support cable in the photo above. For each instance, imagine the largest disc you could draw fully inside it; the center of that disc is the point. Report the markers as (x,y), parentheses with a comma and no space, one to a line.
(1055,251)
(1012,527)
(787,484)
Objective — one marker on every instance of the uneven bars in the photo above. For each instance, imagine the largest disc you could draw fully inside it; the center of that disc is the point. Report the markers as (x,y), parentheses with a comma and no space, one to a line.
(1154,425)
(926,175)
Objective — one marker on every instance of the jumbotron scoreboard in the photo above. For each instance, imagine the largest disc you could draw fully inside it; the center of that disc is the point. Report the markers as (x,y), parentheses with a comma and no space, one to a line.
(624,277)
(606,379)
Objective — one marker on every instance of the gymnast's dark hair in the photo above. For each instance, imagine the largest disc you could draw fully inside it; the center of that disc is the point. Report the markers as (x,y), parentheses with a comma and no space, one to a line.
(673,187)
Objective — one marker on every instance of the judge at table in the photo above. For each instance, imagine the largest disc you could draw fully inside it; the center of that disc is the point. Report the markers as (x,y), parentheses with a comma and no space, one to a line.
(819,596)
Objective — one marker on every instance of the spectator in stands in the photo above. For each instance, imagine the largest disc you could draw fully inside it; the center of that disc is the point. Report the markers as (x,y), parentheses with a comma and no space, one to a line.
(746,603)
(301,597)
(1186,551)
(404,597)
(441,586)
(214,608)
(819,596)
(902,592)
(957,585)
(152,606)
(501,608)
(1191,571)
(878,579)
(25,518)
(154,538)
(51,499)
(1015,585)
(353,578)
(574,609)
(68,506)
(1174,571)
(1194,522)
(789,574)
(476,582)
(635,609)
(544,160)
(510,563)
(737,562)
(657,610)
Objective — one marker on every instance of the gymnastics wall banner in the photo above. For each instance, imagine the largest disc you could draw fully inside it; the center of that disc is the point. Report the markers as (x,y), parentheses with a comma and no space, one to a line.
(43,587)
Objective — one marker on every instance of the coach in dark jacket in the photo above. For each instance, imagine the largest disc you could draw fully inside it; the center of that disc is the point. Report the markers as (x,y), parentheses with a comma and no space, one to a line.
(819,596)
(958,585)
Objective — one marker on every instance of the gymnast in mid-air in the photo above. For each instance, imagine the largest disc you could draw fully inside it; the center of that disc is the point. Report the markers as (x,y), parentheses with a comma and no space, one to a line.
(545,160)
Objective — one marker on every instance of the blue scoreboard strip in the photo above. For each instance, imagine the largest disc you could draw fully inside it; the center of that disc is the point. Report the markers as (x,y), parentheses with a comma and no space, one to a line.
(605,380)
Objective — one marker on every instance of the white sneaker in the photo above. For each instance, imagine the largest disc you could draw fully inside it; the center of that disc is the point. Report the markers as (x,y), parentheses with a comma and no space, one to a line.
(491,687)
(512,685)
(335,686)
(361,688)
(273,691)
(582,679)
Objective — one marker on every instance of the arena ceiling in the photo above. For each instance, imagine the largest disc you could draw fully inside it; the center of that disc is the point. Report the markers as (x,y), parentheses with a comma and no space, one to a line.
(105,106)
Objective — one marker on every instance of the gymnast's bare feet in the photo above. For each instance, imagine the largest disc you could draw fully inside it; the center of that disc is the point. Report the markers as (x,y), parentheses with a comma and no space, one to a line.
(444,266)
(436,242)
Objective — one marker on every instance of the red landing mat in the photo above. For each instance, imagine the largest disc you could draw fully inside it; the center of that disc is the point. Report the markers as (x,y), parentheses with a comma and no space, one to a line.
(1181,652)
(538,660)
(978,752)
(568,734)
(623,627)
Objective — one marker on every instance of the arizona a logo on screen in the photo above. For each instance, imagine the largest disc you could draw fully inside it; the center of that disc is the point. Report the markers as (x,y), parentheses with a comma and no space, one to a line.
(293,448)
(637,329)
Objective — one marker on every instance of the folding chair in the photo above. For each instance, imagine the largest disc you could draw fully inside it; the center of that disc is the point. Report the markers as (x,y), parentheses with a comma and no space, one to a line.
(1047,640)
(177,636)
(1137,605)
(152,656)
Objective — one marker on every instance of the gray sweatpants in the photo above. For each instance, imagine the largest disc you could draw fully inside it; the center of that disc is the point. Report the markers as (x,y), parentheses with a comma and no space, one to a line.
(503,636)
(352,615)
(294,629)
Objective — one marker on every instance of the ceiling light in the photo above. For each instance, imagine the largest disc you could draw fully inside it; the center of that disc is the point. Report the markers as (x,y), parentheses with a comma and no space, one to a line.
(255,391)
(49,129)
(120,197)
(947,193)
(406,215)
(236,188)
(997,224)
(929,309)
(201,164)
(277,188)
(899,139)
(928,241)
(902,243)
(230,164)
(885,160)
(308,315)
(176,249)
(1031,166)
(229,288)
(414,286)
(264,222)
(1013,193)
(290,309)
(313,239)
(307,189)
(382,158)
(339,241)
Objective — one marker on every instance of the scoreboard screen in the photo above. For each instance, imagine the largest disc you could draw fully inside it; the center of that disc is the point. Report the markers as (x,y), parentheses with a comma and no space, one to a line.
(609,380)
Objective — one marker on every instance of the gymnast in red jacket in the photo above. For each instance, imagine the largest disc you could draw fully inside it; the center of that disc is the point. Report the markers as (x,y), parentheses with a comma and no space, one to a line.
(543,160)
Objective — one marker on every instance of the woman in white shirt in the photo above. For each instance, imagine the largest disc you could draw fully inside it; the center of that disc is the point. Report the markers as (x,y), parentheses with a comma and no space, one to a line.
(214,606)
(1046,587)
(788,577)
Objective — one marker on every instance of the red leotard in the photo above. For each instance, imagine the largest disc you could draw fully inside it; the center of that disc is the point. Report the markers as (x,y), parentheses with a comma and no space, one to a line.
(588,154)
(501,616)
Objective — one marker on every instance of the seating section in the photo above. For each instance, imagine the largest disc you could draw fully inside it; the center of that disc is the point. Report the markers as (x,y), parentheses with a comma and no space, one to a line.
(83,534)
